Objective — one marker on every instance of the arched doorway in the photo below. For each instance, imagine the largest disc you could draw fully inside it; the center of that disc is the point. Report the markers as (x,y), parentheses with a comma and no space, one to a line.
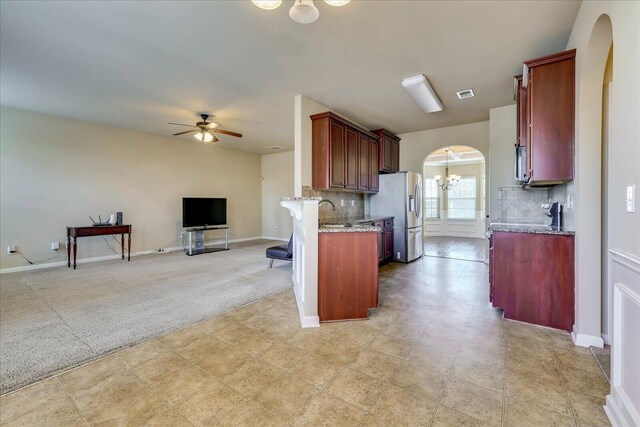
(591,187)
(454,206)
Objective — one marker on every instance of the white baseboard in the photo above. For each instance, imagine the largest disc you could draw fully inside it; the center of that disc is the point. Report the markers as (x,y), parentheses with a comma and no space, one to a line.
(305,321)
(280,239)
(620,411)
(584,340)
(107,257)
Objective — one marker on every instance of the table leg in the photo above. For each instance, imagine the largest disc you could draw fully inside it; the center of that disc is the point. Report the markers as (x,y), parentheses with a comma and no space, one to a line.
(75,251)
(68,251)
(129,248)
(122,244)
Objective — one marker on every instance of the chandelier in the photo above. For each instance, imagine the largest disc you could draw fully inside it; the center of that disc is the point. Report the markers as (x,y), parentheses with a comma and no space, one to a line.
(302,11)
(448,181)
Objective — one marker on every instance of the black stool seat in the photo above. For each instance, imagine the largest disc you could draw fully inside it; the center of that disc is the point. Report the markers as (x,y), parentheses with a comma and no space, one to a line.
(283,252)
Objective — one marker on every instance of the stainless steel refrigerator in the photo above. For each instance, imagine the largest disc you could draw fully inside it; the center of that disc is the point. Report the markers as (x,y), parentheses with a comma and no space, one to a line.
(400,195)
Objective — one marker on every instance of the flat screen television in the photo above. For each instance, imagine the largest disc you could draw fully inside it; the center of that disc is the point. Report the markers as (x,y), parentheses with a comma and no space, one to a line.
(201,211)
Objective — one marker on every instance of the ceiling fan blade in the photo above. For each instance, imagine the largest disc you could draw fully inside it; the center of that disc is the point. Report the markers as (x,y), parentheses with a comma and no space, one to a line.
(186,131)
(181,124)
(227,132)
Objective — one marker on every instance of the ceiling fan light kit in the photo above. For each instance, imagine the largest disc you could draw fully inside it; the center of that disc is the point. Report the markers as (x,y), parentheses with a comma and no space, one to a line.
(302,11)
(205,130)
(267,4)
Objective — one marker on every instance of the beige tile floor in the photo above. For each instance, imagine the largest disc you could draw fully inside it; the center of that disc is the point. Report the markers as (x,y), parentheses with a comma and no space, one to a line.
(434,354)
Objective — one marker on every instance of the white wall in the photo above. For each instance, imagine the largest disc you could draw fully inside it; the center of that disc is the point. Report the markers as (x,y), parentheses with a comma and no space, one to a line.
(503,136)
(591,36)
(55,172)
(277,182)
(304,107)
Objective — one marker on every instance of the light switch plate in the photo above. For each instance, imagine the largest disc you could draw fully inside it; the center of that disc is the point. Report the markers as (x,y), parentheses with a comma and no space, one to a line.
(631,198)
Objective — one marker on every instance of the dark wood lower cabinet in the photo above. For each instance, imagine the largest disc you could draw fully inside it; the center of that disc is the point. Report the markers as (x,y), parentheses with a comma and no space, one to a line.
(532,278)
(385,240)
(347,275)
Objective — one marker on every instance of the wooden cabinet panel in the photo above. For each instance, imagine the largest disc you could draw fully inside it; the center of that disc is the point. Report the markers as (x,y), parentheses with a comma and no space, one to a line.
(352,157)
(551,115)
(545,107)
(388,151)
(373,165)
(380,246)
(337,144)
(363,163)
(388,244)
(342,155)
(347,275)
(533,278)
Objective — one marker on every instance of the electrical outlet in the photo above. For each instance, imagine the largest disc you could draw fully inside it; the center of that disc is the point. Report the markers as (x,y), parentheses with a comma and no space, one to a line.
(182,234)
(55,246)
(569,201)
(341,202)
(353,203)
(11,249)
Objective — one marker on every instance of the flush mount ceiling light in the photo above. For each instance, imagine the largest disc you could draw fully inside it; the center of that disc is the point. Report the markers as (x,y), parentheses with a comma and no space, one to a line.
(464,94)
(422,92)
(302,11)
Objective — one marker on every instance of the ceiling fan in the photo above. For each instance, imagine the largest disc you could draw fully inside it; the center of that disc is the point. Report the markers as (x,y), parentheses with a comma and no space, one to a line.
(205,130)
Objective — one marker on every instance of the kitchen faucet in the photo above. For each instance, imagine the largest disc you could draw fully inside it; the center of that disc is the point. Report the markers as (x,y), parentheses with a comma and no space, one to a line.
(327,201)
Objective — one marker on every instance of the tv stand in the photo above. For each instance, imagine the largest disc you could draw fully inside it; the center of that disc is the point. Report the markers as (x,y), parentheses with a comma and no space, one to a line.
(196,243)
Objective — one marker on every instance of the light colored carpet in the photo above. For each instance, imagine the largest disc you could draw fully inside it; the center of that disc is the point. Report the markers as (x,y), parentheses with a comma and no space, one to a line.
(55,319)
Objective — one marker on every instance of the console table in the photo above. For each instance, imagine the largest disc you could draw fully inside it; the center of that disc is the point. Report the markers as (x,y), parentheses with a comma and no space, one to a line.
(196,244)
(88,231)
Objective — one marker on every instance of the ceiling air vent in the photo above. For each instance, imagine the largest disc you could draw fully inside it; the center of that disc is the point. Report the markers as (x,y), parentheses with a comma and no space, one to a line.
(276,147)
(464,94)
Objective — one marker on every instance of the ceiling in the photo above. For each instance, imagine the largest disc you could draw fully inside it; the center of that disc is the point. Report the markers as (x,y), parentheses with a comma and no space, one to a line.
(139,65)
(455,155)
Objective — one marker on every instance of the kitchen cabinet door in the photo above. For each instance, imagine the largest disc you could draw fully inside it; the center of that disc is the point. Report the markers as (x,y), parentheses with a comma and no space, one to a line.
(388,151)
(545,106)
(373,165)
(533,278)
(337,165)
(388,244)
(352,157)
(363,162)
(380,246)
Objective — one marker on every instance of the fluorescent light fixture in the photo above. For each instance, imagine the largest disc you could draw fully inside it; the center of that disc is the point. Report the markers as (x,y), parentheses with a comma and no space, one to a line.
(422,92)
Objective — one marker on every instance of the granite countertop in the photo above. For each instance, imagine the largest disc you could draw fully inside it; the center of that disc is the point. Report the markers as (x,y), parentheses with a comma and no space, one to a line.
(351,225)
(354,220)
(327,228)
(529,228)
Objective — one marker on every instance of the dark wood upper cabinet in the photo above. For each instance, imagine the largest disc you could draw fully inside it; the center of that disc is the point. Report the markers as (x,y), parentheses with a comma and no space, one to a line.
(342,155)
(388,151)
(337,148)
(546,108)
(351,158)
(363,161)
(374,178)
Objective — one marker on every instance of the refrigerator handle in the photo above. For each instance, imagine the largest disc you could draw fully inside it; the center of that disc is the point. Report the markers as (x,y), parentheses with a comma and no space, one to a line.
(418,199)
(412,203)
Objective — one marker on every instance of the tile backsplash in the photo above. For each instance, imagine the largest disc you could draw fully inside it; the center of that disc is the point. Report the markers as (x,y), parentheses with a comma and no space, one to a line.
(516,204)
(325,211)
